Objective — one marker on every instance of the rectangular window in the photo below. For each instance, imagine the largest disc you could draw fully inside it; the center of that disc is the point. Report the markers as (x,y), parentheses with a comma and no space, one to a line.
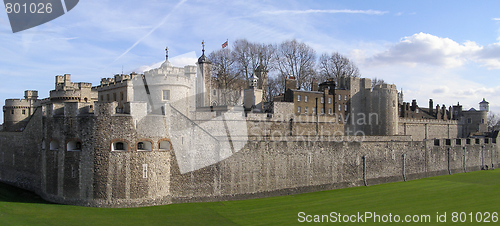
(114,96)
(329,111)
(298,110)
(340,97)
(306,110)
(102,97)
(215,92)
(144,170)
(121,95)
(119,146)
(298,98)
(345,97)
(322,100)
(482,120)
(24,112)
(322,111)
(12,111)
(340,107)
(107,96)
(469,120)
(166,94)
(314,111)
(345,106)
(329,100)
(306,99)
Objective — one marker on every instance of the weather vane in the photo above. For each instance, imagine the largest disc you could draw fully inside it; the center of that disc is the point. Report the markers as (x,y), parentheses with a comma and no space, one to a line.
(166,52)
(203,46)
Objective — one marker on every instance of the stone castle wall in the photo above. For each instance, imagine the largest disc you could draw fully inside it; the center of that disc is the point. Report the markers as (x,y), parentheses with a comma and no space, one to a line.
(38,159)
(266,168)
(421,129)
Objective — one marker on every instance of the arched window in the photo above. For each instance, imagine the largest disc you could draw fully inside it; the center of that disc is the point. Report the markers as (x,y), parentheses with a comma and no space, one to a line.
(144,146)
(74,145)
(119,146)
(54,145)
(165,145)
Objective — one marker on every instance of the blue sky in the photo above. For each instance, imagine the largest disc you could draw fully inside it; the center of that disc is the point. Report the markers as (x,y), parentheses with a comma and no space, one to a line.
(445,50)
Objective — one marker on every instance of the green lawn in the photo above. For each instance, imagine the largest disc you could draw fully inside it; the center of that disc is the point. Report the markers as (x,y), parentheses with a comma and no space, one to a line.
(467,192)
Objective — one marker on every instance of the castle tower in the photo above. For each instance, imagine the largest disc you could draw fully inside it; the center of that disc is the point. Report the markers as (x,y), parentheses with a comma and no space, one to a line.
(484,105)
(16,112)
(203,80)
(360,105)
(384,103)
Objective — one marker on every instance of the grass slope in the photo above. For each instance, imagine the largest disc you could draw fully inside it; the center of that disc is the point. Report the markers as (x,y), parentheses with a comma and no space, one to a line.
(467,192)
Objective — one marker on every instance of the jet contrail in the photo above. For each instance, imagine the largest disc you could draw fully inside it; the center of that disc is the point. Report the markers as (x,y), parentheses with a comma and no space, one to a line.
(151,31)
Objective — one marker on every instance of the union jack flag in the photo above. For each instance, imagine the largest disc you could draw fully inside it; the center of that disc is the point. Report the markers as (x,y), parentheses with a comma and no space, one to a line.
(224,45)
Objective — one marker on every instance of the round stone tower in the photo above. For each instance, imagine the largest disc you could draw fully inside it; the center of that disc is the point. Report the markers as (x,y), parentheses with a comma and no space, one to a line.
(385,105)
(16,112)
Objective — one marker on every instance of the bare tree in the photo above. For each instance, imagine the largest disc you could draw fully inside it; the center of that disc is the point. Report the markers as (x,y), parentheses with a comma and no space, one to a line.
(244,57)
(266,56)
(376,81)
(275,86)
(492,121)
(296,59)
(224,72)
(335,66)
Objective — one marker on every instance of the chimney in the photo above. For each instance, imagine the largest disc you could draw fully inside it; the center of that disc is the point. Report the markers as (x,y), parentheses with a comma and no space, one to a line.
(290,83)
(431,105)
(413,105)
(314,85)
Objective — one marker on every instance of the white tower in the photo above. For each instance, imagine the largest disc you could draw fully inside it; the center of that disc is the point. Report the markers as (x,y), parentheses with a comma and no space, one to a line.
(484,105)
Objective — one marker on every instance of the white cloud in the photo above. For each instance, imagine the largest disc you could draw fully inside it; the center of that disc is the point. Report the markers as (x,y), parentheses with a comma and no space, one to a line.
(428,49)
(309,11)
(495,19)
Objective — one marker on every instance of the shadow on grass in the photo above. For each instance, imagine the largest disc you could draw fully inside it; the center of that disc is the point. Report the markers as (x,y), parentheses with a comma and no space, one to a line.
(9,193)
